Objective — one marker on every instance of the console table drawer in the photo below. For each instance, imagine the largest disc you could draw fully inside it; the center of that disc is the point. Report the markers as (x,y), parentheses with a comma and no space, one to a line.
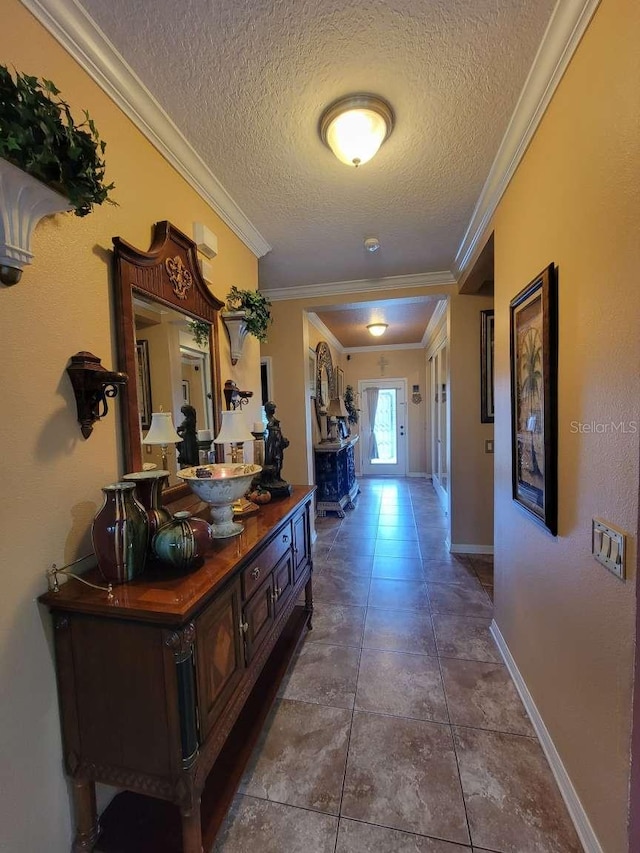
(259,568)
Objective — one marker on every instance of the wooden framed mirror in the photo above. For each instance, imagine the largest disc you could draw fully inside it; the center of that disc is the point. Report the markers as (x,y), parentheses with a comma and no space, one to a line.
(324,378)
(167,322)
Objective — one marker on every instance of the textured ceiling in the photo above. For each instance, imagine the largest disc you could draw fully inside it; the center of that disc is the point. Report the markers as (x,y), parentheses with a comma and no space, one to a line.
(246,81)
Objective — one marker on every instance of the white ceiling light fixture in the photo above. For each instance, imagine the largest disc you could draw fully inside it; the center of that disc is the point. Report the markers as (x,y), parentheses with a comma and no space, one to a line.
(355,127)
(372,244)
(377,329)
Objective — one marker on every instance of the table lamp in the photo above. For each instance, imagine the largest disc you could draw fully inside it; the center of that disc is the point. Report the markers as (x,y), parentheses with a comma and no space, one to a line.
(234,431)
(336,409)
(162,432)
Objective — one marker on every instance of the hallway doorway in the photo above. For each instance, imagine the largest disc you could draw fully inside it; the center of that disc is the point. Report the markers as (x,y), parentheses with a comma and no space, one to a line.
(384,427)
(439,423)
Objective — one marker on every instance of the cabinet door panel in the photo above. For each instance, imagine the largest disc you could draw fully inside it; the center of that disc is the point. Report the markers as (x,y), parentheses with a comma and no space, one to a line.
(220,655)
(300,544)
(283,581)
(258,616)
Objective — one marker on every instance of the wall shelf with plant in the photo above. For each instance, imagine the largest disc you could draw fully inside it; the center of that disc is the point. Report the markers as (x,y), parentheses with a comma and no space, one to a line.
(247,313)
(48,164)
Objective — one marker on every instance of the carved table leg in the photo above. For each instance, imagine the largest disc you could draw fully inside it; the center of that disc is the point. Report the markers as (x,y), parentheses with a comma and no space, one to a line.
(84,799)
(308,600)
(191,828)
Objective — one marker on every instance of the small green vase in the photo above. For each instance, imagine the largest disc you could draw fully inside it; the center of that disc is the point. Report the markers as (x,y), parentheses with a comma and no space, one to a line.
(183,542)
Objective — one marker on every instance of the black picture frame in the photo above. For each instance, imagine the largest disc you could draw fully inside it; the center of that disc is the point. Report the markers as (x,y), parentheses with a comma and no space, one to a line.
(144,383)
(487,413)
(534,399)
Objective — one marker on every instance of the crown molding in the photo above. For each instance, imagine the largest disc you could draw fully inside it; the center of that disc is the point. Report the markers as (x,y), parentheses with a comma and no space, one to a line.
(80,36)
(562,36)
(325,331)
(362,285)
(377,347)
(434,320)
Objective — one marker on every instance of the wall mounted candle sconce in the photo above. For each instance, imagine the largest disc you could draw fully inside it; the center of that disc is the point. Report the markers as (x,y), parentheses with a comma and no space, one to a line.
(92,384)
(234,397)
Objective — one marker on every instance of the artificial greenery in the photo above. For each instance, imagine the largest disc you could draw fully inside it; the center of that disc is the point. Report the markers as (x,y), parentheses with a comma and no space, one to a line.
(256,306)
(200,330)
(39,136)
(350,404)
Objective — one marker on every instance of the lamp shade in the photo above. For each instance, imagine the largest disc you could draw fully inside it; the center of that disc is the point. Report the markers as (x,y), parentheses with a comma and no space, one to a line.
(355,127)
(234,429)
(337,408)
(162,430)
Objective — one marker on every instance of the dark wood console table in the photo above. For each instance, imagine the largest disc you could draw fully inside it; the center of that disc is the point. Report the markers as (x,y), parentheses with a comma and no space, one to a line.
(154,682)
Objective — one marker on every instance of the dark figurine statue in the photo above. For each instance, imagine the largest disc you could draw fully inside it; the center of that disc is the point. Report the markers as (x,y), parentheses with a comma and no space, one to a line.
(275,445)
(188,448)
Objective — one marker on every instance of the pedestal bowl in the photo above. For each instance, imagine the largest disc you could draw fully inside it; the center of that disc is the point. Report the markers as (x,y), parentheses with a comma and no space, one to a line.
(220,485)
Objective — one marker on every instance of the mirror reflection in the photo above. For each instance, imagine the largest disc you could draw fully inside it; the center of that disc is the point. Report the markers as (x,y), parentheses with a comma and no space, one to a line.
(324,380)
(173,375)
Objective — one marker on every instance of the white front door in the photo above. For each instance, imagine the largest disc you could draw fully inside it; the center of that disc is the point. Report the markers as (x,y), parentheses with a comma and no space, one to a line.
(383,433)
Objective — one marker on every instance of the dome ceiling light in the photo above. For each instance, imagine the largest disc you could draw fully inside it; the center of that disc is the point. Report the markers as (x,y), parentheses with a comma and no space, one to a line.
(356,126)
(372,244)
(377,329)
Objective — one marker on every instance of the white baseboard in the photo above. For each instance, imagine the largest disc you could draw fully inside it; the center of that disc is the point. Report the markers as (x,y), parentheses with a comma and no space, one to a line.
(457,548)
(576,811)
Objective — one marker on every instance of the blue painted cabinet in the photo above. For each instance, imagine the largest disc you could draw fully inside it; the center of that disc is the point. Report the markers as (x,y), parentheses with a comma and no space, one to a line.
(335,469)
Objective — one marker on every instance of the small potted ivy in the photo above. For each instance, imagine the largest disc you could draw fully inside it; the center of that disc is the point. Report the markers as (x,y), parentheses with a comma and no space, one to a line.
(247,313)
(48,164)
(350,404)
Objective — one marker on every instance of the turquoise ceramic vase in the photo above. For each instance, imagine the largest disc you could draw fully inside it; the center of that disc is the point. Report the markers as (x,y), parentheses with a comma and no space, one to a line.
(183,542)
(120,534)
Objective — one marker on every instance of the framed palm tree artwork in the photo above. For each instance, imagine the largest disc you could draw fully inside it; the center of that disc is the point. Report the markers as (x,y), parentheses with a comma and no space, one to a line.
(534,399)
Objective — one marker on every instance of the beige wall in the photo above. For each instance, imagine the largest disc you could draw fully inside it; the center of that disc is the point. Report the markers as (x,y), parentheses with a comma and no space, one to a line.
(471,468)
(52,476)
(406,364)
(569,623)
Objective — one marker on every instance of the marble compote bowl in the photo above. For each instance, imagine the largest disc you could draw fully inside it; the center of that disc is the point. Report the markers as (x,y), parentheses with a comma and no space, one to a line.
(220,485)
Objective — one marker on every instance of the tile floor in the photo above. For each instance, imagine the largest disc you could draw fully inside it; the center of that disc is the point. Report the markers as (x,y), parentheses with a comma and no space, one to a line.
(397,728)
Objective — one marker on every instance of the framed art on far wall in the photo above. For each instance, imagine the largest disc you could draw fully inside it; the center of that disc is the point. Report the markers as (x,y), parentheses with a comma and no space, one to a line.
(486,367)
(534,403)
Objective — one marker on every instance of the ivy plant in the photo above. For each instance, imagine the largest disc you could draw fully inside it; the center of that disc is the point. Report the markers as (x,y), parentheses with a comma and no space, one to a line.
(200,331)
(39,136)
(256,305)
(350,404)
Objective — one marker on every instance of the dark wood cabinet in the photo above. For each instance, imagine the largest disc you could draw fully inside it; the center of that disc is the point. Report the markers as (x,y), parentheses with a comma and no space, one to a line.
(153,680)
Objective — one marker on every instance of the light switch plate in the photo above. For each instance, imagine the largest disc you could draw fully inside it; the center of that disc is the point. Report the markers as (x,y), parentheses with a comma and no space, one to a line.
(488,445)
(608,546)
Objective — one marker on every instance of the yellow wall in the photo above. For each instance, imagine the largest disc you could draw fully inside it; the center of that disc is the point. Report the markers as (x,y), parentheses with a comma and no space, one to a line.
(569,623)
(52,476)
(471,468)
